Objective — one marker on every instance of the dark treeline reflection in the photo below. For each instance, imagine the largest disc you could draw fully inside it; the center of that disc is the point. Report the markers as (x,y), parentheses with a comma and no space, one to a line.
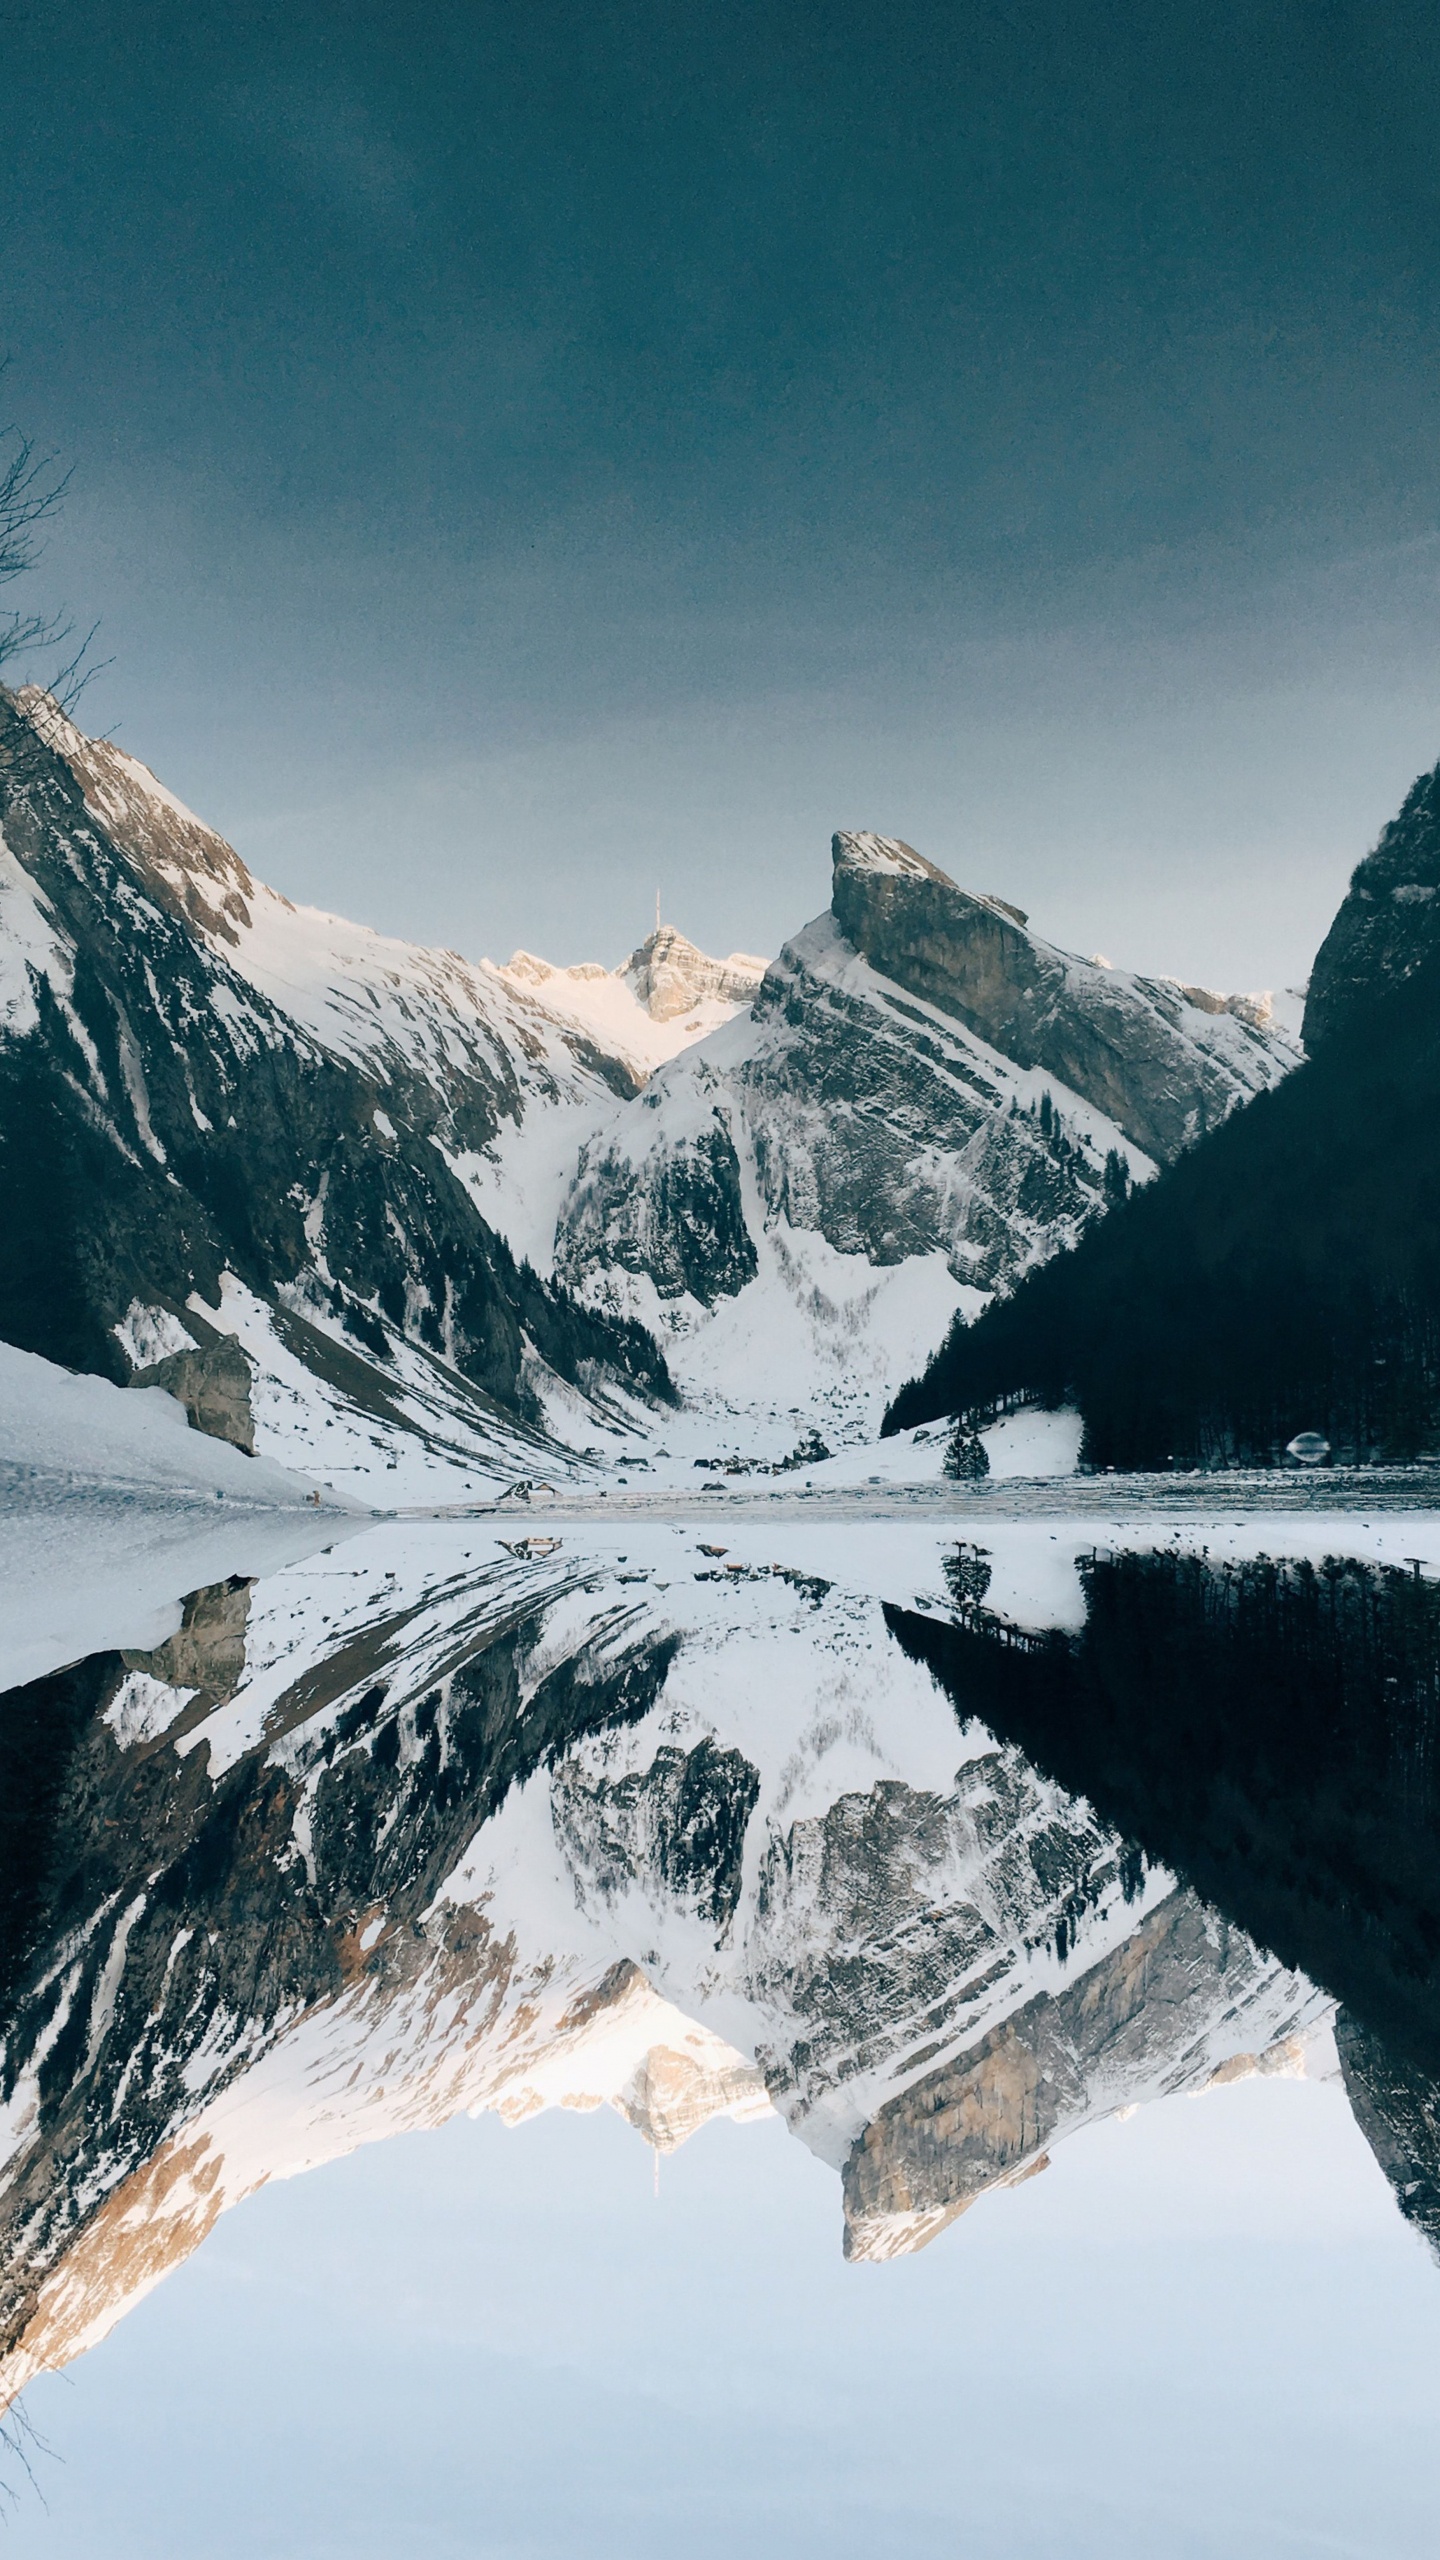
(1267,1730)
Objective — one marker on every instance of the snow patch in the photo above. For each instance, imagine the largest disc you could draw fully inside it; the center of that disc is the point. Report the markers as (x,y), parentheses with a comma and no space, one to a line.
(147,1334)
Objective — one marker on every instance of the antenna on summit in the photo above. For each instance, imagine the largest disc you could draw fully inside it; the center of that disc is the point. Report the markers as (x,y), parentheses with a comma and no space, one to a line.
(657,910)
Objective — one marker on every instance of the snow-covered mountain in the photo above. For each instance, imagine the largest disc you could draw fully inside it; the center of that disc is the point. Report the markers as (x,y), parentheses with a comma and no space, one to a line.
(236,1136)
(663,998)
(925,1101)
(429,1824)
(389,1215)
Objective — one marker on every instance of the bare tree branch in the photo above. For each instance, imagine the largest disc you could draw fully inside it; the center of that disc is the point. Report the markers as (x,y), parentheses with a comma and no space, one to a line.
(32,492)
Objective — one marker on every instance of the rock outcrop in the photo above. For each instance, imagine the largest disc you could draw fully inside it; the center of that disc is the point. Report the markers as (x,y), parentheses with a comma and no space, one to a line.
(1389,924)
(1139,2024)
(669,976)
(213,1383)
(1163,1061)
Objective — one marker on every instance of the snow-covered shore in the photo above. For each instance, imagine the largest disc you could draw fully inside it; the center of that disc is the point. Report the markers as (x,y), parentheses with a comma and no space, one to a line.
(110,1505)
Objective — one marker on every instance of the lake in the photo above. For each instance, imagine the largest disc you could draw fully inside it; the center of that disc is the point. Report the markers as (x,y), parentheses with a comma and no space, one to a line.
(846,2036)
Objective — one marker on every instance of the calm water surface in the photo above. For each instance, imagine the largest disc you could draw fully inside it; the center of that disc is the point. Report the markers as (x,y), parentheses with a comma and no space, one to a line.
(851,2043)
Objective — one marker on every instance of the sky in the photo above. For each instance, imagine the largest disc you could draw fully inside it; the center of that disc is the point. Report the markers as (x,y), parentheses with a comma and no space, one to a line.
(1203,2334)
(528,458)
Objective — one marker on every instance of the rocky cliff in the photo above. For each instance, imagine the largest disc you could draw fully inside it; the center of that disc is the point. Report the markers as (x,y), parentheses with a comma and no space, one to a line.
(1163,1061)
(1389,924)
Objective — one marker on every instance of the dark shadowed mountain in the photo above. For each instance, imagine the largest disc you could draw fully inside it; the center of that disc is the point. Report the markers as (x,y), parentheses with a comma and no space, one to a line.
(1265,1729)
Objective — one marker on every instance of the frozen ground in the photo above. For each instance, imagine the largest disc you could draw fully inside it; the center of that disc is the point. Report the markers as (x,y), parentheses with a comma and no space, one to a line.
(97,1572)
(1290,1504)
(111,1507)
(58,1429)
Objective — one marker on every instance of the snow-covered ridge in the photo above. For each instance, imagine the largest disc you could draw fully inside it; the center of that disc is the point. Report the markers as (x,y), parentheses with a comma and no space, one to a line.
(661,1000)
(189,863)
(800,1203)
(370,996)
(792,1177)
(1164,1061)
(256,1093)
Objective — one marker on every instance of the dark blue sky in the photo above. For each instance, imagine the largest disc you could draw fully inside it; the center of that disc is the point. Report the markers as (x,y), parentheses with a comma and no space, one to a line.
(526,454)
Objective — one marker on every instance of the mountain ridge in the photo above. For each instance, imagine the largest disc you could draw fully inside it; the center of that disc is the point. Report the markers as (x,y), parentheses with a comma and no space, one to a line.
(528,1180)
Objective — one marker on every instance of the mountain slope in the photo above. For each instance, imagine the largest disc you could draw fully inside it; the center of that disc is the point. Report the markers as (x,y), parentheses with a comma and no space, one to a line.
(799,1203)
(1163,1061)
(1285,1276)
(329,1165)
(211,1100)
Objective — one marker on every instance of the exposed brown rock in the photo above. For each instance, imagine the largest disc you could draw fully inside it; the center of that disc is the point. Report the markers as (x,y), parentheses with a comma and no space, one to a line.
(213,1384)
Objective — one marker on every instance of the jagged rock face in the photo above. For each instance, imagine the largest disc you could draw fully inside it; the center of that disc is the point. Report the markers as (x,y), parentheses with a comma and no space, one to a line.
(1389,923)
(1397,2108)
(922,1086)
(165,1121)
(838,1108)
(1164,1062)
(669,976)
(213,1383)
(1141,2022)
(894,1139)
(185,864)
(937,1906)
(680,1229)
(682,1820)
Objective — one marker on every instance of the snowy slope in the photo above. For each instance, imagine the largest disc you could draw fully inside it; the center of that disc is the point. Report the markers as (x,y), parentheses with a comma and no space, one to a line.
(664,997)
(798,1205)
(925,1101)
(109,1503)
(212,1101)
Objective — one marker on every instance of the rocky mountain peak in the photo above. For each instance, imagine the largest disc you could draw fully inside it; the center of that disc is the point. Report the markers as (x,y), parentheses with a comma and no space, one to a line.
(186,865)
(669,976)
(1389,923)
(863,858)
(1162,1060)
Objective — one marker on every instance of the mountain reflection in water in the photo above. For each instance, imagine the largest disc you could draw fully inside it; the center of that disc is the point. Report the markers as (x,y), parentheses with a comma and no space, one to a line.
(427,1825)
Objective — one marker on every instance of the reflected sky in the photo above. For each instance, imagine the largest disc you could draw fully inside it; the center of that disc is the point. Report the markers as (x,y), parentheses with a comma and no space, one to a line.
(1203,2332)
